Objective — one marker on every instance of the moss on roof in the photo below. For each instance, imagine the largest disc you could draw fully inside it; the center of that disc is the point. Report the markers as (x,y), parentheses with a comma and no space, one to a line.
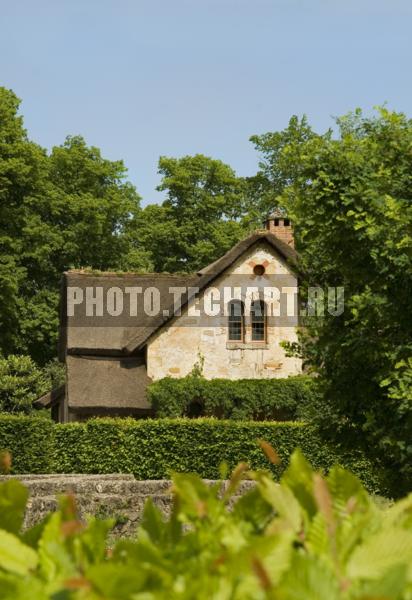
(98,272)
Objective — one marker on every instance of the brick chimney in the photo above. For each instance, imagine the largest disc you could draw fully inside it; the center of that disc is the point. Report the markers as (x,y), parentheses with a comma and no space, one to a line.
(279,224)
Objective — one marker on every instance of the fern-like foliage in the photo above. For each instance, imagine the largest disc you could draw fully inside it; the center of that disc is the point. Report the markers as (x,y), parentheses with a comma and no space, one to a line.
(308,537)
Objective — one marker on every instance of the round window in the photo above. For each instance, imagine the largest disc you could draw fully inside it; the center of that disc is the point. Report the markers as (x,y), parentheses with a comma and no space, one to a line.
(259,270)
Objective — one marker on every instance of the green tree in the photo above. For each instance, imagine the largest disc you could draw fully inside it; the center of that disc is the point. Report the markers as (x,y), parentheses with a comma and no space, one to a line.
(200,219)
(23,168)
(65,210)
(351,201)
(79,222)
(281,165)
(21,382)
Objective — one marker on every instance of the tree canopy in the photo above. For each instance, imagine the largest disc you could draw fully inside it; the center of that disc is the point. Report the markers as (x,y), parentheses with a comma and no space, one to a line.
(62,210)
(350,198)
(200,219)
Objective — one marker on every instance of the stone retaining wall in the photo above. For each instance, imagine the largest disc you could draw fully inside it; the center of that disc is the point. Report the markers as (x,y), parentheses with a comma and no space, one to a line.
(119,496)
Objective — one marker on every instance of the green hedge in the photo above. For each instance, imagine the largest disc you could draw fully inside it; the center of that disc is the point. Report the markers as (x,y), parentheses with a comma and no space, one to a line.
(30,441)
(250,399)
(151,449)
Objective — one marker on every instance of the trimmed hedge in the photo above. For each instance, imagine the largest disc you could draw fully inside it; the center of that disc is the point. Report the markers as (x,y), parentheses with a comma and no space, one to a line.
(242,399)
(151,449)
(29,440)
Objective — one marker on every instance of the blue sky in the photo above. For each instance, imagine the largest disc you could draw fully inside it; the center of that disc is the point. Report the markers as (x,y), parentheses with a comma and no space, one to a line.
(146,78)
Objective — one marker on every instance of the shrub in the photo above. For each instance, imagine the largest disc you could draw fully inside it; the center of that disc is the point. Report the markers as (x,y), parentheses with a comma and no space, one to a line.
(251,399)
(21,382)
(55,374)
(153,448)
(30,441)
(310,537)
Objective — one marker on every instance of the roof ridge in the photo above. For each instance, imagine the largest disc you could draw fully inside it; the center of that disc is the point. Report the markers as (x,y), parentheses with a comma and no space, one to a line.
(97,273)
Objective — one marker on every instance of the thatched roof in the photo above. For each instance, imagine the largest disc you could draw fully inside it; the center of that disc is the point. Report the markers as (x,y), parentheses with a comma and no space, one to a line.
(107,383)
(103,336)
(108,336)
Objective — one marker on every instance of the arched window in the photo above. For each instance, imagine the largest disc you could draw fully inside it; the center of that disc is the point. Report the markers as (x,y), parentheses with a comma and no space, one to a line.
(258,321)
(236,321)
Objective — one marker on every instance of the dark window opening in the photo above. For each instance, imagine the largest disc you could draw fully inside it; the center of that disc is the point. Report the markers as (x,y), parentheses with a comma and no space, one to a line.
(276,222)
(258,321)
(286,222)
(259,270)
(236,321)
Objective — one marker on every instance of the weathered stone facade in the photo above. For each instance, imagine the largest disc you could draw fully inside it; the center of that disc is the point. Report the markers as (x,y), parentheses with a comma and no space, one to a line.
(177,347)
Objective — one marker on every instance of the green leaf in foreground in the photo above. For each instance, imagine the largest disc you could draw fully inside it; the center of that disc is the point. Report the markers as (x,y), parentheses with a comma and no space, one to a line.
(13,499)
(15,557)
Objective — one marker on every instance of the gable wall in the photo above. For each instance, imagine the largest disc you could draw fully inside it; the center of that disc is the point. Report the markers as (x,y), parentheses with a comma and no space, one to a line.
(176,348)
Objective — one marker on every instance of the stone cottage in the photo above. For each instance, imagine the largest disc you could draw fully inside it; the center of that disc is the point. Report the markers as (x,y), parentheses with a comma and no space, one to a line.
(120,331)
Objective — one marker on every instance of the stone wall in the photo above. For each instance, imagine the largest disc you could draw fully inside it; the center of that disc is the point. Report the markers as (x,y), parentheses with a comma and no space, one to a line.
(119,496)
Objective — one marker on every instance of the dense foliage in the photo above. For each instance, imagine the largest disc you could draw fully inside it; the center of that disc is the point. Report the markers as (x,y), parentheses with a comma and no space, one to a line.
(310,537)
(348,193)
(350,198)
(200,220)
(30,442)
(152,448)
(22,382)
(57,211)
(250,399)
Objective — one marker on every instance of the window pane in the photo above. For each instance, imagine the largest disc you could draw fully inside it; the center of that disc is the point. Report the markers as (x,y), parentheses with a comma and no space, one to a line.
(235,321)
(235,330)
(236,309)
(258,332)
(258,321)
(257,310)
